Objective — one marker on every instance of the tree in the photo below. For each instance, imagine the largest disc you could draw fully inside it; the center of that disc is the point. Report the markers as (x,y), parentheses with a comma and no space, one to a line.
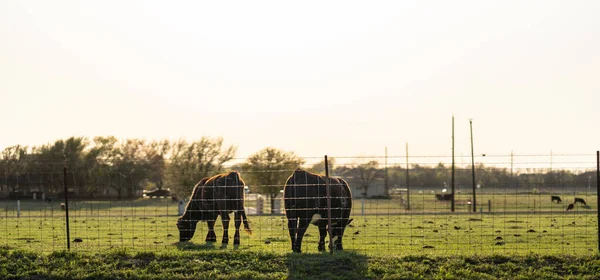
(367,172)
(268,170)
(129,168)
(99,162)
(319,168)
(52,158)
(14,161)
(191,162)
(155,154)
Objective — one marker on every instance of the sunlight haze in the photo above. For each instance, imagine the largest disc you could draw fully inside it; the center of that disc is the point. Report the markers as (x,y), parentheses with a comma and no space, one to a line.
(338,78)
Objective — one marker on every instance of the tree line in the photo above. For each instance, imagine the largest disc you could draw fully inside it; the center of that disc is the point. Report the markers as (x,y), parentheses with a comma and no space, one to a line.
(131,165)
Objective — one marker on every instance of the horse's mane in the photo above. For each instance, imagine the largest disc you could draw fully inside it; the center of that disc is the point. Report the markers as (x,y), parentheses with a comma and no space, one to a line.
(196,192)
(212,181)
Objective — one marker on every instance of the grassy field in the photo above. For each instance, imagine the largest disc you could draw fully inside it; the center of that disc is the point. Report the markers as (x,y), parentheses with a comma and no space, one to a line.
(385,229)
(188,263)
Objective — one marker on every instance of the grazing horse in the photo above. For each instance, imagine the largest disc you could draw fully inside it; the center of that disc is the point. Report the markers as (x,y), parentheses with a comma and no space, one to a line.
(211,197)
(570,207)
(556,198)
(580,200)
(305,196)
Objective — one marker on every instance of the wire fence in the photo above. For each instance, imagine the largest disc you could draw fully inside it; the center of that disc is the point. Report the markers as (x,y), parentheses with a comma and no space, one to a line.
(516,204)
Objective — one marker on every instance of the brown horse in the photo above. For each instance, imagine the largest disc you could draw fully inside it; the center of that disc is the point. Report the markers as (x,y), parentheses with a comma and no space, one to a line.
(305,196)
(211,197)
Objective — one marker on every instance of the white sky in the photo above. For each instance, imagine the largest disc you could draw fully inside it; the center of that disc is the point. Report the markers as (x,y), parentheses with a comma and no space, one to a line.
(340,78)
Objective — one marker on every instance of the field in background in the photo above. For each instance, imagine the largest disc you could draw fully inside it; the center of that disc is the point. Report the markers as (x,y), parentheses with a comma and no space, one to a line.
(517,224)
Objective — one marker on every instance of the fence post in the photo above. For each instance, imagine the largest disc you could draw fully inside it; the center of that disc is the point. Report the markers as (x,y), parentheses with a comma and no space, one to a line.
(66,207)
(452,205)
(362,206)
(407,181)
(473,168)
(259,204)
(598,193)
(327,185)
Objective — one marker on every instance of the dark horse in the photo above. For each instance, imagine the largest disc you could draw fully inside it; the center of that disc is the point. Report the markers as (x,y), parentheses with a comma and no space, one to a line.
(580,200)
(555,198)
(305,196)
(211,197)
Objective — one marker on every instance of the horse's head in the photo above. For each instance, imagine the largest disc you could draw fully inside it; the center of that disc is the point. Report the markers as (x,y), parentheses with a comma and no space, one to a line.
(187,228)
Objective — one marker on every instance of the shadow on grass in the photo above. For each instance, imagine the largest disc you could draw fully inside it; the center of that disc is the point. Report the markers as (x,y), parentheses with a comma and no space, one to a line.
(340,265)
(190,246)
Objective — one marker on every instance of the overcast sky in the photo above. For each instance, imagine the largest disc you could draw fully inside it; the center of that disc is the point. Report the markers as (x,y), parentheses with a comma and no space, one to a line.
(342,78)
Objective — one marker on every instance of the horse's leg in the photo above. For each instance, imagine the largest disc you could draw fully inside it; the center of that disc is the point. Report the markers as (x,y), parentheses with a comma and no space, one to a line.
(225,220)
(302,226)
(211,236)
(322,234)
(292,228)
(338,234)
(238,221)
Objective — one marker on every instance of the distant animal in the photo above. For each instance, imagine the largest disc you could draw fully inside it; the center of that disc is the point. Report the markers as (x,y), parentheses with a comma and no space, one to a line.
(556,198)
(157,193)
(570,207)
(62,206)
(211,197)
(580,200)
(443,196)
(305,200)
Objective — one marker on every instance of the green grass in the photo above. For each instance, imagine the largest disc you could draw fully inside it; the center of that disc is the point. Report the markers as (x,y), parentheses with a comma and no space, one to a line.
(138,239)
(149,224)
(187,263)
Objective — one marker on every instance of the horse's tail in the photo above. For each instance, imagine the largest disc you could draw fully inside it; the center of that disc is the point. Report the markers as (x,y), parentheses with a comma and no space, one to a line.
(246,223)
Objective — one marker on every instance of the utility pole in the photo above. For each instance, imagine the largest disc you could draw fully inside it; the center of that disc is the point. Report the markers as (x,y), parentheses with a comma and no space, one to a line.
(473,168)
(407,181)
(385,179)
(452,182)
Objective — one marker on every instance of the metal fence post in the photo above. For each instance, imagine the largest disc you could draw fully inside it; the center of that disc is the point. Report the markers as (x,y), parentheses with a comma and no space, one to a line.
(66,207)
(598,193)
(327,186)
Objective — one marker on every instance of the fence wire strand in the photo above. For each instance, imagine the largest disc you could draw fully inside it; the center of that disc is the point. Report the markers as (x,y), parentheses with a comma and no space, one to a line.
(516,211)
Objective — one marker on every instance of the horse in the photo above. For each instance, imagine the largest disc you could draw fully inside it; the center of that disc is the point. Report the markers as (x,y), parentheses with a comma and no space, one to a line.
(570,207)
(555,198)
(218,195)
(580,200)
(305,199)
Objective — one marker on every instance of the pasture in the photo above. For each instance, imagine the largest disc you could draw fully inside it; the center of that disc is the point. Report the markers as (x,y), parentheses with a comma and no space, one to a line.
(385,229)
(227,264)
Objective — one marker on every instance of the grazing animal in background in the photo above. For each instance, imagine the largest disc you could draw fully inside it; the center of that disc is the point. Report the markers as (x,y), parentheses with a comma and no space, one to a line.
(211,197)
(570,207)
(305,199)
(443,196)
(580,200)
(556,198)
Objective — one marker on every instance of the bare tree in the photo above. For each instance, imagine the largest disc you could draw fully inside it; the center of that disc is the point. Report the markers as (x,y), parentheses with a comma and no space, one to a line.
(367,172)
(190,162)
(268,169)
